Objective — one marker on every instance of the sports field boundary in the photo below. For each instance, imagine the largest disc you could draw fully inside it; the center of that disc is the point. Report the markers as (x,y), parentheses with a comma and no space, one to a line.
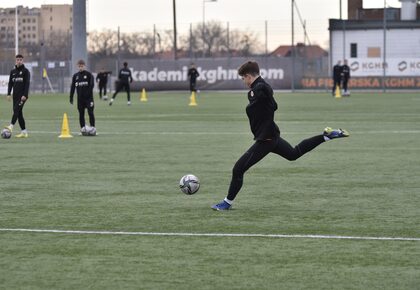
(227,235)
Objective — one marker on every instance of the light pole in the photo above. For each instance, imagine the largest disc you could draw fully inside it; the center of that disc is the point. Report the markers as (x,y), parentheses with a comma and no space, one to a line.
(204,24)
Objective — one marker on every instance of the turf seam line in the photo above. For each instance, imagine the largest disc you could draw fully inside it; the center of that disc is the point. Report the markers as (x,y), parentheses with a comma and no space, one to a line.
(278,236)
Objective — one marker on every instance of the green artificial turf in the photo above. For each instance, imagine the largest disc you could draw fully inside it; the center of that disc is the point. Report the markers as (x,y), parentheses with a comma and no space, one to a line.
(126,179)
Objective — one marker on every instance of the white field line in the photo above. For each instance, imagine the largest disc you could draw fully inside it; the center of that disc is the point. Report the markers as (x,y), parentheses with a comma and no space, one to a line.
(228,133)
(275,236)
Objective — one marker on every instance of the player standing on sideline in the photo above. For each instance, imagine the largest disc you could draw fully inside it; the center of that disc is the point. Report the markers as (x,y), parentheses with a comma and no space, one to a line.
(260,111)
(83,82)
(336,76)
(193,75)
(102,80)
(19,81)
(124,80)
(345,74)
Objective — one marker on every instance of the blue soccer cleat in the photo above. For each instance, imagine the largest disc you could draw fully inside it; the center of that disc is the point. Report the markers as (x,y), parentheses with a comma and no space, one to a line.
(221,206)
(335,133)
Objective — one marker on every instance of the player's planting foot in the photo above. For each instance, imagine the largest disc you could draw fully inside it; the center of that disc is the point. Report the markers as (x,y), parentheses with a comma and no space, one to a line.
(105,98)
(22,135)
(111,101)
(128,103)
(335,133)
(221,206)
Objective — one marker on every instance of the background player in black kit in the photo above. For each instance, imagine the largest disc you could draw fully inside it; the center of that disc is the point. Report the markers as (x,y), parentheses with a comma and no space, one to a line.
(124,80)
(102,80)
(83,82)
(337,70)
(193,75)
(260,111)
(345,76)
(19,81)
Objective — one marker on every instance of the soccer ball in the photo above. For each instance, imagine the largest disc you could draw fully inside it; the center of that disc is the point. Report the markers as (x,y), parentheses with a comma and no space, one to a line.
(88,131)
(189,184)
(91,131)
(6,134)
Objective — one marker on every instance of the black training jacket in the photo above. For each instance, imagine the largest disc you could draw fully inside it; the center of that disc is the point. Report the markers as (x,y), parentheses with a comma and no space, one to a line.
(125,76)
(19,81)
(83,83)
(102,77)
(260,111)
(193,74)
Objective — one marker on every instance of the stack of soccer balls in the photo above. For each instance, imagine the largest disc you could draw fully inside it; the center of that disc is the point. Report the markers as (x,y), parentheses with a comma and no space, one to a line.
(6,134)
(189,184)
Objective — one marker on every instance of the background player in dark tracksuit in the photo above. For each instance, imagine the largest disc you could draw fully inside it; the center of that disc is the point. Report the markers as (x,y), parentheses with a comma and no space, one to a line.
(337,69)
(124,80)
(102,80)
(260,111)
(83,82)
(345,76)
(193,75)
(19,81)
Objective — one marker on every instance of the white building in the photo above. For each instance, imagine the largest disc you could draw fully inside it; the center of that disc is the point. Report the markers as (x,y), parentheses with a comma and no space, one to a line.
(368,44)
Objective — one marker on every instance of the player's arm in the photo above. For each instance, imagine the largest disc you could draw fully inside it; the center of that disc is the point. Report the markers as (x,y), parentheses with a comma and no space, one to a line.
(26,86)
(92,82)
(9,87)
(72,88)
(130,77)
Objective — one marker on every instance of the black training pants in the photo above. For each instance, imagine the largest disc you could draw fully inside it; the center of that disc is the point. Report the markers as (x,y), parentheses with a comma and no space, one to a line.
(260,149)
(18,113)
(102,87)
(120,87)
(81,106)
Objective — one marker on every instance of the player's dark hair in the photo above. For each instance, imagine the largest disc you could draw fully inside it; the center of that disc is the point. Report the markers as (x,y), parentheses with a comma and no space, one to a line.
(81,61)
(19,56)
(250,67)
(125,64)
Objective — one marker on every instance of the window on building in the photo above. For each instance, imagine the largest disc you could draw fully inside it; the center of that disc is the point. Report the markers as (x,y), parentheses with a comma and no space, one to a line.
(353,49)
(374,52)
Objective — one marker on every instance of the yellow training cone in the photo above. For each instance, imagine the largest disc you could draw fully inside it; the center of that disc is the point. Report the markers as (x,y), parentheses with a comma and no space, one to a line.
(337,93)
(65,130)
(143,97)
(193,102)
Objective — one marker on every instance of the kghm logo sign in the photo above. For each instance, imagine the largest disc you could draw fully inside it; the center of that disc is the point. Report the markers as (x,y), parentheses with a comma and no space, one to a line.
(354,66)
(402,66)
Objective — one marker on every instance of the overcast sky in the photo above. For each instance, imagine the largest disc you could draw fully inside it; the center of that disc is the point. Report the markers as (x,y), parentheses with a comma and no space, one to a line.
(140,15)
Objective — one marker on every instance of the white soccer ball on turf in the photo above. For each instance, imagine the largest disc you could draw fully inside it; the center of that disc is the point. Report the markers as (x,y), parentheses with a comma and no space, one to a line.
(6,134)
(189,184)
(92,131)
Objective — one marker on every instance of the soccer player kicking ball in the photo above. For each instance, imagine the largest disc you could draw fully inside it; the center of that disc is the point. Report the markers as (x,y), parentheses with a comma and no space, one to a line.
(260,111)
(83,82)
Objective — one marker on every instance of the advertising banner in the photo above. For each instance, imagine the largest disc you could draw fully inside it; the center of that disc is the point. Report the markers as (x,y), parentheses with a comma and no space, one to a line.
(363,83)
(393,67)
(215,74)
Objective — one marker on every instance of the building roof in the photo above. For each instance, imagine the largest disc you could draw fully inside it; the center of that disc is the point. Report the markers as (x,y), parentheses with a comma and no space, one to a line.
(338,24)
(308,51)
